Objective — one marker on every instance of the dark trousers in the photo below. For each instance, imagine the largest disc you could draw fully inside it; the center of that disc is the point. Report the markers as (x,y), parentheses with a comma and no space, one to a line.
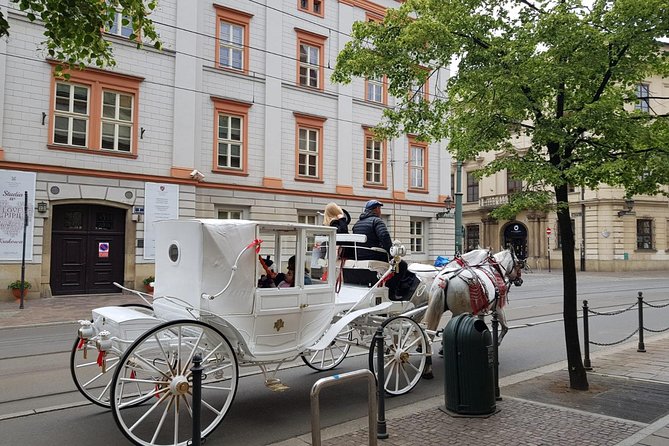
(402,284)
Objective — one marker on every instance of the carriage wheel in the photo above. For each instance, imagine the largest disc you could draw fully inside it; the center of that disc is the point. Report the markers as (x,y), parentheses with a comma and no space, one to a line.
(158,365)
(87,375)
(332,355)
(404,357)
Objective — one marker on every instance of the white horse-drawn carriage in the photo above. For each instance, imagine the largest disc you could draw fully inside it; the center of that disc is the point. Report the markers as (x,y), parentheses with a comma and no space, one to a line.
(208,301)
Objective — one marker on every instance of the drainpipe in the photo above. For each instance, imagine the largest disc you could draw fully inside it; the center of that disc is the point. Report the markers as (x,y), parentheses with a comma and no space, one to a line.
(458,208)
(582,228)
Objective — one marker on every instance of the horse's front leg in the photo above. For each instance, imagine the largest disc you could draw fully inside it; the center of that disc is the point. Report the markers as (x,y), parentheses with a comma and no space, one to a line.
(501,317)
(427,371)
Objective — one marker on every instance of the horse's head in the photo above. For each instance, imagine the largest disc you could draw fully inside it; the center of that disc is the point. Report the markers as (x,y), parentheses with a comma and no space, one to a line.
(511,264)
(516,268)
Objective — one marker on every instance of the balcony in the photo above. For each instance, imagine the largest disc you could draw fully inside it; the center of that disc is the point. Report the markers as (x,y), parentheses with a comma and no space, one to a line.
(493,201)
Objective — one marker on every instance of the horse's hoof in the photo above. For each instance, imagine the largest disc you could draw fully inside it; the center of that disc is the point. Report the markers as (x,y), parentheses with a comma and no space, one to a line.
(429,375)
(441,352)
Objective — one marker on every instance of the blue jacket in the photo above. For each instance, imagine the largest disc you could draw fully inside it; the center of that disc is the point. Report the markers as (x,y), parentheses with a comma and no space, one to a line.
(377,236)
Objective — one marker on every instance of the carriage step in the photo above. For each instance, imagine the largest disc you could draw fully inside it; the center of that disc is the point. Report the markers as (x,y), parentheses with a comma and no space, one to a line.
(275,385)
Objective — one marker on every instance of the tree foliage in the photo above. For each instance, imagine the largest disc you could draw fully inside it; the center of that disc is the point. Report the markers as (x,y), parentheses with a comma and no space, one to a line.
(558,73)
(73,29)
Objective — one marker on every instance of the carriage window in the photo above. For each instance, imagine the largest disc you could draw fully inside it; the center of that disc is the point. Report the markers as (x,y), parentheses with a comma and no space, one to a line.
(316,258)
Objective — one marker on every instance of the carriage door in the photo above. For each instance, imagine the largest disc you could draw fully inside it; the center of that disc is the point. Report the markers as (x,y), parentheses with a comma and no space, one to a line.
(87,250)
(515,235)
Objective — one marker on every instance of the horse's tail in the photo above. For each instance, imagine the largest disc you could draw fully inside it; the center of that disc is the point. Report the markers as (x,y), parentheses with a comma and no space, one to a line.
(435,307)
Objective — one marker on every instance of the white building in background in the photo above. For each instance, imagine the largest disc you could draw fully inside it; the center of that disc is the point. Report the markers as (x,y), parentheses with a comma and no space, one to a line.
(235,118)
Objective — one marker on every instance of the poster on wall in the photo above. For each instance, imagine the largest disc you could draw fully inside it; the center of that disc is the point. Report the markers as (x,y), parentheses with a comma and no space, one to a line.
(13,186)
(161,202)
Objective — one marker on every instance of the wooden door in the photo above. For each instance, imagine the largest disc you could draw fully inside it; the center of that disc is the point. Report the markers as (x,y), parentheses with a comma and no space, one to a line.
(87,250)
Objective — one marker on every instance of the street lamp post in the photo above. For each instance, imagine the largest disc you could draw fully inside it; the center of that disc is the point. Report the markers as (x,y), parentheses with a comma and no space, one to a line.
(458,208)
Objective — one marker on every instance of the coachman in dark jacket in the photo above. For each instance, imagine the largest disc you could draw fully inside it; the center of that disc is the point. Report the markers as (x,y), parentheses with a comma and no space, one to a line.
(404,283)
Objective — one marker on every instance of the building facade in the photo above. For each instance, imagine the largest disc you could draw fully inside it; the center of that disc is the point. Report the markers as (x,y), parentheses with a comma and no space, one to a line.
(235,118)
(611,233)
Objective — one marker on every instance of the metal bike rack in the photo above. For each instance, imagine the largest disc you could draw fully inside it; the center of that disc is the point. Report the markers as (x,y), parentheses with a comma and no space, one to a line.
(338,379)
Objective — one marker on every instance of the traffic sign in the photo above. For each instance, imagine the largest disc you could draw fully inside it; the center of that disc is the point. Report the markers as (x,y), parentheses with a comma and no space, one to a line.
(548,231)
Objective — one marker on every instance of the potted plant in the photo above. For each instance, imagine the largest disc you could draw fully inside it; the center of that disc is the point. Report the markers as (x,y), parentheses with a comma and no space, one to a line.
(148,283)
(15,286)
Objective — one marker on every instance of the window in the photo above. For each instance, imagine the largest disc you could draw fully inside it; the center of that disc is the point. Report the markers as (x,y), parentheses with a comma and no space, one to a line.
(116,121)
(420,93)
(512,185)
(376,90)
(643,94)
(94,110)
(375,161)
(71,115)
(230,136)
(417,230)
(121,26)
(644,234)
(472,188)
(417,165)
(230,214)
(232,37)
(314,7)
(308,219)
(309,147)
(472,237)
(310,57)
(558,235)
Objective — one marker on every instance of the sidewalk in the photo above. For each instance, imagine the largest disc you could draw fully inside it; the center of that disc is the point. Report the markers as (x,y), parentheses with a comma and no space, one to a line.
(627,404)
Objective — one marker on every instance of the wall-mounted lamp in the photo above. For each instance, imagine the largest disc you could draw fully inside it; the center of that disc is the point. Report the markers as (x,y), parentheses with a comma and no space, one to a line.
(42,207)
(629,205)
(448,204)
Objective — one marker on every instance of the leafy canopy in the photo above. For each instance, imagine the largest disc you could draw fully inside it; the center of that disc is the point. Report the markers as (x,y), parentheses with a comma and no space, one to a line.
(74,28)
(559,74)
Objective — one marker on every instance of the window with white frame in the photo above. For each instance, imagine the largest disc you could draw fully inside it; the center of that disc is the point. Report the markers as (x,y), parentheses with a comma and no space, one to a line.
(373,161)
(71,115)
(644,233)
(309,65)
(643,94)
(417,167)
(230,142)
(117,121)
(231,45)
(122,26)
(230,214)
(417,235)
(308,218)
(375,90)
(307,164)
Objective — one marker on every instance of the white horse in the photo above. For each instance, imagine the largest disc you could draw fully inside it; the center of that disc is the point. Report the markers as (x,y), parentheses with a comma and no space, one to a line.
(477,283)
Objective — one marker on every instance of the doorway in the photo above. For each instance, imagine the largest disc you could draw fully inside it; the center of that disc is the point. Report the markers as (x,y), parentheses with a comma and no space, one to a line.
(87,249)
(515,236)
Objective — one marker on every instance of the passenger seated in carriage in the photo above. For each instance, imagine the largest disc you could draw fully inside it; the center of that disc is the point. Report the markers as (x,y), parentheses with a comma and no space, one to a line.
(404,283)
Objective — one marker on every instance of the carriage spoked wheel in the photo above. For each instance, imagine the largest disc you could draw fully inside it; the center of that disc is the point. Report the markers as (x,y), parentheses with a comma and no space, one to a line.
(332,355)
(88,376)
(158,365)
(404,358)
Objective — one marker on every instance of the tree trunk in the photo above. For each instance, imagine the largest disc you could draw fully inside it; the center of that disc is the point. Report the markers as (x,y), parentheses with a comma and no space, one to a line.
(578,378)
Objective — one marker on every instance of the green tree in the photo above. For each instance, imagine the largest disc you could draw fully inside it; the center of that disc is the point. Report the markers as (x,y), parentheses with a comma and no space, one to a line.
(73,29)
(562,73)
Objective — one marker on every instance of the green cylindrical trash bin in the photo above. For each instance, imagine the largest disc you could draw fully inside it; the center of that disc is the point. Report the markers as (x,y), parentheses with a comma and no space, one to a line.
(469,365)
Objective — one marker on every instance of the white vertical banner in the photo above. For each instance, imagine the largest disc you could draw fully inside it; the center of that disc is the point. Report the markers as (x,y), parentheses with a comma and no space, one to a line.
(161,202)
(13,186)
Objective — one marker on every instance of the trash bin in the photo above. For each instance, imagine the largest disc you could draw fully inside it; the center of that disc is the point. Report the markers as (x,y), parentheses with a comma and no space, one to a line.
(469,366)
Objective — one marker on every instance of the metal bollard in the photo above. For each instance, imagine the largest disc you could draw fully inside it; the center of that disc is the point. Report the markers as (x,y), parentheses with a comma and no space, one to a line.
(495,347)
(331,380)
(586,337)
(641,347)
(197,399)
(381,431)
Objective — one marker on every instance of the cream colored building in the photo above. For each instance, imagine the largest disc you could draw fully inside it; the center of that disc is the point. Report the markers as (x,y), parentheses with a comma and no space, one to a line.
(610,233)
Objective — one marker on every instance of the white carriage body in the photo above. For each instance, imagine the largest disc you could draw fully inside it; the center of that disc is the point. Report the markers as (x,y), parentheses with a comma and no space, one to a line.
(196,258)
